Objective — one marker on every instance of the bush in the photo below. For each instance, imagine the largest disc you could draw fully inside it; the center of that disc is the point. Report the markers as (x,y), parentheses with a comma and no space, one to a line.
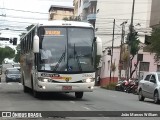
(110,86)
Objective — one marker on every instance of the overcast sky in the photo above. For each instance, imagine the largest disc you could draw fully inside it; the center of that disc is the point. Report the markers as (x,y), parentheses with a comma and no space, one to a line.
(15,19)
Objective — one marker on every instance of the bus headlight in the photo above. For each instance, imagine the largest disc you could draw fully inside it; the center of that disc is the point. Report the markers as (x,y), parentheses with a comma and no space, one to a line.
(44,79)
(88,80)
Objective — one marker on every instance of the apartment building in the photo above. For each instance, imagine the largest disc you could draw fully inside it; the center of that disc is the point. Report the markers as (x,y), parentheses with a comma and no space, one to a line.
(101,14)
(58,12)
(121,11)
(86,10)
(155,13)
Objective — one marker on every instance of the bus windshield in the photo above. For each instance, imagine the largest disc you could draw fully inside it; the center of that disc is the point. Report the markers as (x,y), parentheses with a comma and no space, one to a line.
(66,49)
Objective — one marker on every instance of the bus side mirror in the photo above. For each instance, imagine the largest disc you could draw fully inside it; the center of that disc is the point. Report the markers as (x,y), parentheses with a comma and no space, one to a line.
(99,45)
(36,44)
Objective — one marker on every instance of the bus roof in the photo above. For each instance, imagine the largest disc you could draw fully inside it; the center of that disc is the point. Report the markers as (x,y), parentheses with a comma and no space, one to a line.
(65,23)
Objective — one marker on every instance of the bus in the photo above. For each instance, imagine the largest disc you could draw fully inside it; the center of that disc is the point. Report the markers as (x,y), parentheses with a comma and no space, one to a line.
(59,56)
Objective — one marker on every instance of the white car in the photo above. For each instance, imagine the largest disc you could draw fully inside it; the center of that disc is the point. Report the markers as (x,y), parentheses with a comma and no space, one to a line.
(16,65)
(149,87)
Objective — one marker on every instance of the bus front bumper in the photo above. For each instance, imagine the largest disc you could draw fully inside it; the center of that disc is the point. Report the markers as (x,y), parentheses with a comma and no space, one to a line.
(65,87)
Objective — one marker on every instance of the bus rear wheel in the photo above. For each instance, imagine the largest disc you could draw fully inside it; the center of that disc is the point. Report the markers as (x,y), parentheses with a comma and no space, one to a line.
(79,95)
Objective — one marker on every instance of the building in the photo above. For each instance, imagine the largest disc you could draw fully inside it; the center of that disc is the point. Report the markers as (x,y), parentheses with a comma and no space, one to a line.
(146,64)
(89,11)
(57,12)
(78,4)
(121,11)
(155,13)
(86,10)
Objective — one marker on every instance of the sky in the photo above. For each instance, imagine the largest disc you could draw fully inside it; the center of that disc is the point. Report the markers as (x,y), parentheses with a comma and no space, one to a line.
(14,16)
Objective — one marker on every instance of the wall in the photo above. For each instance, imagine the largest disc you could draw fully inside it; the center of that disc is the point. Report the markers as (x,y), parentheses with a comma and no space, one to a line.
(105,70)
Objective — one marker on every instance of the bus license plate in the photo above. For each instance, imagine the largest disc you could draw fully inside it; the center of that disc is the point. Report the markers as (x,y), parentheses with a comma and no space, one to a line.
(66,87)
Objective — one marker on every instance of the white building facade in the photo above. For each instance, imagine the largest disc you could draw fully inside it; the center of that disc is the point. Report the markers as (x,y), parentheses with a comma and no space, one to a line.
(121,11)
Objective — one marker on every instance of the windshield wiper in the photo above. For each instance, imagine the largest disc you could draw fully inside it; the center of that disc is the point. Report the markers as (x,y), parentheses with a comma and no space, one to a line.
(60,60)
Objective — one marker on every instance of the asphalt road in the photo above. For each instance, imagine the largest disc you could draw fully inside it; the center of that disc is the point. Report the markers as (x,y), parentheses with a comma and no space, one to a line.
(12,98)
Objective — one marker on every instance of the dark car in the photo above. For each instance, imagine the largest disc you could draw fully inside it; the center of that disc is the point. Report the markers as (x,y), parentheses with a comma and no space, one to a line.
(13,75)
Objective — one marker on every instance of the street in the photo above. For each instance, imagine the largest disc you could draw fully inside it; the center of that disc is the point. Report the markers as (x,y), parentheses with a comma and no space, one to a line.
(12,98)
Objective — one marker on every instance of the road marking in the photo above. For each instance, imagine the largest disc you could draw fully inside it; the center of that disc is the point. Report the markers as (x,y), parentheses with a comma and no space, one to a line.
(86,108)
(9,83)
(72,102)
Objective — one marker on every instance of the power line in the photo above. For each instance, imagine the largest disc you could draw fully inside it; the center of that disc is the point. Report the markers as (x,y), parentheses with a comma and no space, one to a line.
(23,11)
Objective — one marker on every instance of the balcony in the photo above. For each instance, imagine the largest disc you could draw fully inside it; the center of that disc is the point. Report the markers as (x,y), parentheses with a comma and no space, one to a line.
(91,17)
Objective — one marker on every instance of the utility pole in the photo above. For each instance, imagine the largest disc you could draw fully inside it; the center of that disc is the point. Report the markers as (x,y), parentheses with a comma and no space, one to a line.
(122,42)
(129,40)
(112,49)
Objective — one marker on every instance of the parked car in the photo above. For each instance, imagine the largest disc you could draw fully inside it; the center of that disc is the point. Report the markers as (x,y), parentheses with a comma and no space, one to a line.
(12,75)
(149,87)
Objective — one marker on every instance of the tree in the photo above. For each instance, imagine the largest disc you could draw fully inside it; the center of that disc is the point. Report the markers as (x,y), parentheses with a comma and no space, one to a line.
(72,18)
(17,56)
(134,43)
(113,68)
(66,18)
(98,58)
(6,52)
(154,41)
(125,58)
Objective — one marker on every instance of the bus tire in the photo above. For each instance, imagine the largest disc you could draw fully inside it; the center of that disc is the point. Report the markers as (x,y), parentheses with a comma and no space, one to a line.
(34,92)
(25,89)
(79,95)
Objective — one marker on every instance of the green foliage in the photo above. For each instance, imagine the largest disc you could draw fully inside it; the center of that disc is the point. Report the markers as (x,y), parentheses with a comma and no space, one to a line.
(6,52)
(66,18)
(17,56)
(72,18)
(155,41)
(134,42)
(110,86)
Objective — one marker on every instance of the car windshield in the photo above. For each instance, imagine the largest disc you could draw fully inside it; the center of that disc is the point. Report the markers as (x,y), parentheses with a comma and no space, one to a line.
(13,72)
(64,49)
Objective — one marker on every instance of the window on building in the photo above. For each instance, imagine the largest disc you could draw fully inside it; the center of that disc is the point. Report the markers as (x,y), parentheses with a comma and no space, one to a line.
(144,66)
